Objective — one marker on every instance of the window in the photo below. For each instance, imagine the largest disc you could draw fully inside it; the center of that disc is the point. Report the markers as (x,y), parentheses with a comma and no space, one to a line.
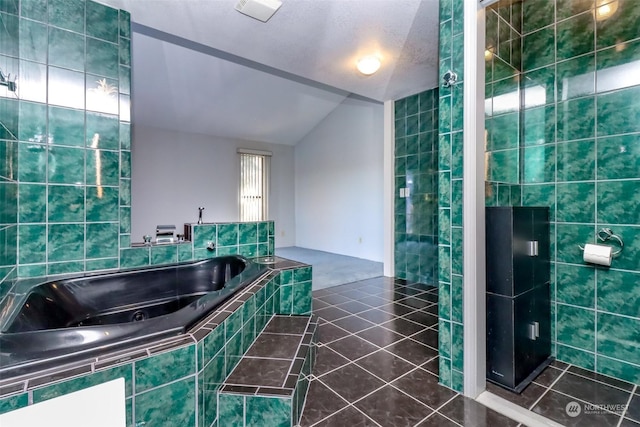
(254,184)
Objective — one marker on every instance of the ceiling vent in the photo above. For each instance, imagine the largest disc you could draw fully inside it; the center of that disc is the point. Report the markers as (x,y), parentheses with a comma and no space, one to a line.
(261,10)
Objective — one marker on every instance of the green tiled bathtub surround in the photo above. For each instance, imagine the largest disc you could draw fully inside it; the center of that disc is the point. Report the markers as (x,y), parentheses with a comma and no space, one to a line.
(579,141)
(416,165)
(68,159)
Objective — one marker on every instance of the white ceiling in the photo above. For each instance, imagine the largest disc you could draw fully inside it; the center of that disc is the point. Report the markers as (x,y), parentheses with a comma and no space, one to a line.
(200,65)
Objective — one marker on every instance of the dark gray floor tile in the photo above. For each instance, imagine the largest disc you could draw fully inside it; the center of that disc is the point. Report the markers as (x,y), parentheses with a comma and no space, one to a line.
(385,365)
(348,417)
(468,412)
(352,347)
(437,420)
(402,326)
(526,399)
(353,324)
(334,299)
(558,364)
(555,406)
(590,391)
(548,376)
(633,411)
(397,309)
(601,378)
(427,337)
(412,351)
(260,372)
(373,301)
(322,292)
(275,346)
(353,307)
(354,294)
(328,332)
(318,304)
(351,382)
(422,318)
(626,422)
(428,296)
(390,407)
(417,303)
(331,313)
(287,325)
(377,316)
(424,386)
(321,402)
(327,360)
(433,309)
(432,366)
(380,336)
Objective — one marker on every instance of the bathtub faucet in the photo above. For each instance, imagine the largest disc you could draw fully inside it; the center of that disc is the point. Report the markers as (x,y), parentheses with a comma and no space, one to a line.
(201,208)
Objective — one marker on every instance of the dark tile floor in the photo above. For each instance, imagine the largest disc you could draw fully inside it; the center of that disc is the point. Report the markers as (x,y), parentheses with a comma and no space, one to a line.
(377,365)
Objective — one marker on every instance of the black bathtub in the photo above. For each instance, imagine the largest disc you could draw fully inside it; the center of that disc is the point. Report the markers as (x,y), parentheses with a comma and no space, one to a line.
(76,317)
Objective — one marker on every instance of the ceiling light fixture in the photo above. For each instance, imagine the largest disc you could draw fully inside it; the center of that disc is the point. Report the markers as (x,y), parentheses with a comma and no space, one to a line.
(261,10)
(368,65)
(605,9)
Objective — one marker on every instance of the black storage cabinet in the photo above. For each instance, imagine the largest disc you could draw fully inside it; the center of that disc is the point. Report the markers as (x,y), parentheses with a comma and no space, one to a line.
(518,299)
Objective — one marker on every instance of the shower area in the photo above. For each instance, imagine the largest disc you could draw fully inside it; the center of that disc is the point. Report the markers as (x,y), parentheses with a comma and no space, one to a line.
(562,130)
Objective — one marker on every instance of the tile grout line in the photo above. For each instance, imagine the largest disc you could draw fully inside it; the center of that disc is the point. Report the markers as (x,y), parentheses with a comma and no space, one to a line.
(549,387)
(626,409)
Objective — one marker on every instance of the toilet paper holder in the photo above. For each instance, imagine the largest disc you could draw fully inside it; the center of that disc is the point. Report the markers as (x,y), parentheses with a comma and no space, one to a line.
(606,234)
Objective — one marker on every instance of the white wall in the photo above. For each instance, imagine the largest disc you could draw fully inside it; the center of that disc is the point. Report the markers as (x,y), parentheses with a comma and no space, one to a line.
(174,173)
(339,182)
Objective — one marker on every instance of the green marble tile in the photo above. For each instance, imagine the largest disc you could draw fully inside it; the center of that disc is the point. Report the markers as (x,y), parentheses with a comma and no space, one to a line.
(102,204)
(445,39)
(231,410)
(618,369)
(576,202)
(33,270)
(247,233)
(444,368)
(574,36)
(618,202)
(32,240)
(101,264)
(576,285)
(444,189)
(539,164)
(125,51)
(210,381)
(125,136)
(164,255)
(576,77)
(457,56)
(185,252)
(233,323)
(65,267)
(248,333)
(302,274)
(618,292)
(34,9)
(10,38)
(102,167)
(537,14)
(33,41)
(65,88)
(286,299)
(302,298)
(102,58)
(444,113)
(233,352)
(444,301)
(66,203)
(202,234)
(504,165)
(33,203)
(629,258)
(610,32)
(125,164)
(457,347)
(568,8)
(14,402)
(102,240)
(170,405)
(65,242)
(102,131)
(444,263)
(543,79)
(457,296)
(67,14)
(125,220)
(457,100)
(457,381)
(125,24)
(456,250)
(576,161)
(569,237)
(125,240)
(618,337)
(458,16)
(268,412)
(413,124)
(66,49)
(619,112)
(538,49)
(102,94)
(227,234)
(66,126)
(102,22)
(32,122)
(445,9)
(163,368)
(576,357)
(125,192)
(619,55)
(32,161)
(576,119)
(444,226)
(444,339)
(66,165)
(134,257)
(70,386)
(576,327)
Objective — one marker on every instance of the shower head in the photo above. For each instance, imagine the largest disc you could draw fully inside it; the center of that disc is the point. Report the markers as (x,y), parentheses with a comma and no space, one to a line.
(6,81)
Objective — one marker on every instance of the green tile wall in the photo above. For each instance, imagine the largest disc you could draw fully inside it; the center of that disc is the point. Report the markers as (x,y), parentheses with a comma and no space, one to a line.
(450,167)
(416,165)
(578,141)
(9,127)
(72,133)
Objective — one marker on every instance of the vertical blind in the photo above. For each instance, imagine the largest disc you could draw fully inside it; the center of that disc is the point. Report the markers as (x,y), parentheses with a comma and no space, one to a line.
(254,184)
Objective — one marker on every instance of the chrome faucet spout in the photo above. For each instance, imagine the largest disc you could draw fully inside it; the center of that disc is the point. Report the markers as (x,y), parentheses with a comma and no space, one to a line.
(200,209)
